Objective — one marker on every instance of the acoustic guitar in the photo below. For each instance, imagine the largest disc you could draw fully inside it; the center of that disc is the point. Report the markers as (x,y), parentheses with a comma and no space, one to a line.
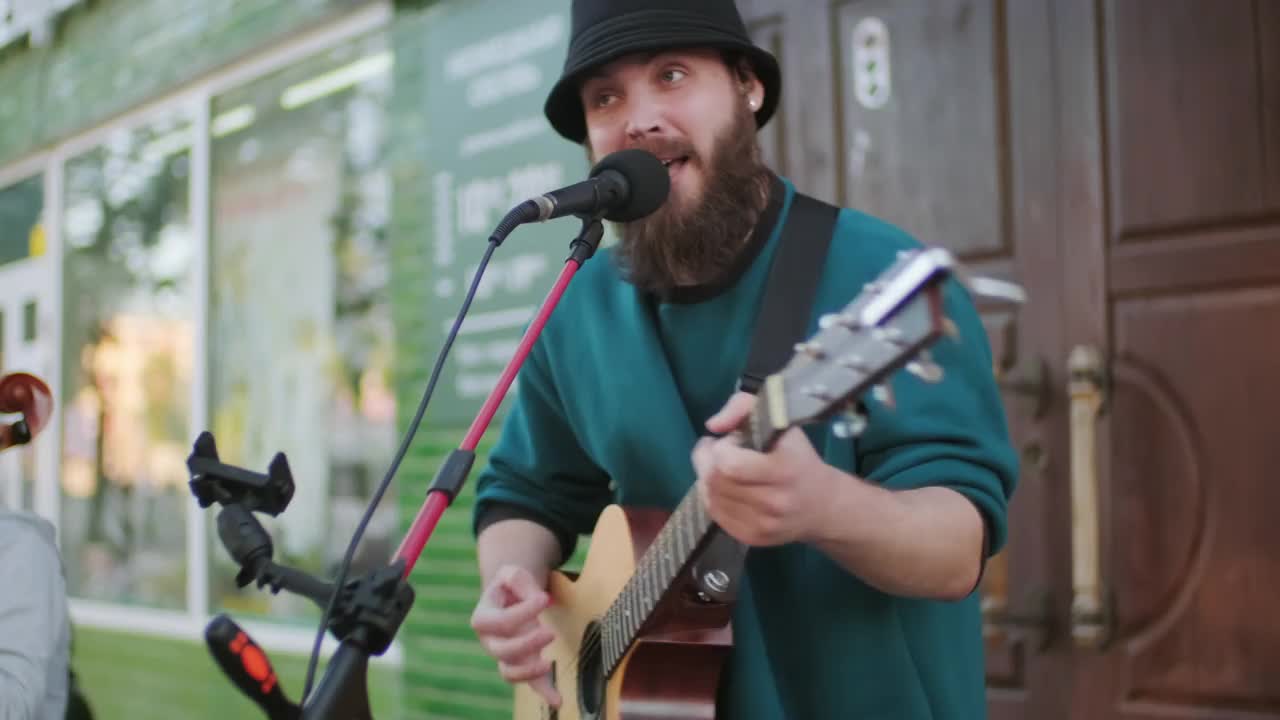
(643,631)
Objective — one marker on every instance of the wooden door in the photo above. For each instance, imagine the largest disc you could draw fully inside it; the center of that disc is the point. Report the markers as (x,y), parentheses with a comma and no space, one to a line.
(938,116)
(1170,148)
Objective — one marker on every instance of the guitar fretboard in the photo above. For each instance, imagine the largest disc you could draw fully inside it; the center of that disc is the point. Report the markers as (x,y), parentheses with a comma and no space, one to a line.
(672,550)
(683,536)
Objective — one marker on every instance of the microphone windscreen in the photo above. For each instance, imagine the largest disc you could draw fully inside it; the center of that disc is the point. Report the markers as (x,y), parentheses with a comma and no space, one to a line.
(647,181)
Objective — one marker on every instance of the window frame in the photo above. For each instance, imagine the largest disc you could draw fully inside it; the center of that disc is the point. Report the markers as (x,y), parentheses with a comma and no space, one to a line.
(47,501)
(194,101)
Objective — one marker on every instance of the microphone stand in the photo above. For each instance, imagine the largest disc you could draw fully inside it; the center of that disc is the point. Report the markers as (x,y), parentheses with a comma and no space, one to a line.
(366,612)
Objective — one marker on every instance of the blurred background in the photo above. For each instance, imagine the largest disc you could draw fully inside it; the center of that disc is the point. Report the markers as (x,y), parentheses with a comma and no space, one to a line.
(259,218)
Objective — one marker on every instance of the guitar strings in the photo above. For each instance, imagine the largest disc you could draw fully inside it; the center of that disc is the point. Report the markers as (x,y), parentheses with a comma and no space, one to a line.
(648,566)
(588,648)
(595,640)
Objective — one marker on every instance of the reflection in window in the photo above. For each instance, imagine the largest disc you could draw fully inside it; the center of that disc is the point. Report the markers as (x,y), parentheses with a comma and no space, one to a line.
(300,322)
(127,367)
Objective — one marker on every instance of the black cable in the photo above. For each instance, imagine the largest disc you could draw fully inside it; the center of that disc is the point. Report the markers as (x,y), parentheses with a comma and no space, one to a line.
(504,228)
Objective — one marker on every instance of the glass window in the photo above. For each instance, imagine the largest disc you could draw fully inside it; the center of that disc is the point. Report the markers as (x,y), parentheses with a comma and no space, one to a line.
(29,321)
(21,233)
(127,349)
(300,345)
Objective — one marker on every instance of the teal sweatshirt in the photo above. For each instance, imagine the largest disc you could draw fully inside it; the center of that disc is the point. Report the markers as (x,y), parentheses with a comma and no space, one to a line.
(618,388)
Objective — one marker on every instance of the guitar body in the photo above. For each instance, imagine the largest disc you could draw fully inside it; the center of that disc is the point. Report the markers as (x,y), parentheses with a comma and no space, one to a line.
(673,670)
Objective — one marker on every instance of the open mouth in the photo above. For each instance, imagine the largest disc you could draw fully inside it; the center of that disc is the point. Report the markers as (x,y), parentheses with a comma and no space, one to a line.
(675,163)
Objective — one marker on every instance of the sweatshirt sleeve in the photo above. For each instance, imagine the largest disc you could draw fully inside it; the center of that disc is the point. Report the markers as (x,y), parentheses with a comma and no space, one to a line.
(537,468)
(32,619)
(952,434)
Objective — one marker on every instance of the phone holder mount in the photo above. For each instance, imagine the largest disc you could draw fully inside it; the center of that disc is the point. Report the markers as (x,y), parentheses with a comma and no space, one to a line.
(368,610)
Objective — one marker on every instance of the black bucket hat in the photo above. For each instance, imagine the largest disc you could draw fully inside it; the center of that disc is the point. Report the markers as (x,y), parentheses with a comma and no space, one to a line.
(605,30)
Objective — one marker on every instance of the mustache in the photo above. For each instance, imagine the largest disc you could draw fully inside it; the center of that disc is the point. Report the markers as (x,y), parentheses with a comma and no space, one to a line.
(667,147)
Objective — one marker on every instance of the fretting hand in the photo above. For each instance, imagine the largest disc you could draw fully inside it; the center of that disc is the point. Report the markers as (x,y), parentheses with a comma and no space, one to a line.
(761,499)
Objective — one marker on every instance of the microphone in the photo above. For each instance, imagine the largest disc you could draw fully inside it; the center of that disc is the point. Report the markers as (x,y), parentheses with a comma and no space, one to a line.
(626,185)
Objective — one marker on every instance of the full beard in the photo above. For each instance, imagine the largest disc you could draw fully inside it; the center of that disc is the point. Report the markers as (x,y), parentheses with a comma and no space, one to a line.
(689,242)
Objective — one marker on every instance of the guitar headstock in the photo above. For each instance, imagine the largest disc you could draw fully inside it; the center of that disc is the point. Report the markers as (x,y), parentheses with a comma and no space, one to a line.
(888,326)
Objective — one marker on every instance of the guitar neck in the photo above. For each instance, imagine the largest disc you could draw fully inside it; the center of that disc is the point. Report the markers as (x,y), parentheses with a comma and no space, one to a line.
(685,534)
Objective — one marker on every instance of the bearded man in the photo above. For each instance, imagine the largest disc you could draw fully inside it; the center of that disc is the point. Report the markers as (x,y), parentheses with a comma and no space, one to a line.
(858,597)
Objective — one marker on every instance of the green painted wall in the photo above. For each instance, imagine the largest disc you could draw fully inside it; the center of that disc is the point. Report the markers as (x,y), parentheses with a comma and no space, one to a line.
(471,142)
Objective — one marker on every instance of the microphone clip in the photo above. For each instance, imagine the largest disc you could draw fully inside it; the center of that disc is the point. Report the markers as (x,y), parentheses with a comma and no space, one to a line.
(584,246)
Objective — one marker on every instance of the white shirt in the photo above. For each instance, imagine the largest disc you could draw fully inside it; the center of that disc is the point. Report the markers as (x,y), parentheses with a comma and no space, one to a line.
(34,627)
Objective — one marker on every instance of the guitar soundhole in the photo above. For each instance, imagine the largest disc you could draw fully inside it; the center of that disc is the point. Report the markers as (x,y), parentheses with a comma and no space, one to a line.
(591,680)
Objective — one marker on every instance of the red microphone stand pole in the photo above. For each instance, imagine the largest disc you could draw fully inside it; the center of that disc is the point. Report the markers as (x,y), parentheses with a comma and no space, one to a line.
(343,693)
(454,472)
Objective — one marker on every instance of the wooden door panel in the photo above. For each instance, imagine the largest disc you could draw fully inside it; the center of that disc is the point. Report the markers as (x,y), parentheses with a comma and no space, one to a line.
(1026,662)
(767,32)
(1190,242)
(798,142)
(1192,489)
(1191,261)
(924,118)
(1186,112)
(1016,587)
(1269,56)
(1005,643)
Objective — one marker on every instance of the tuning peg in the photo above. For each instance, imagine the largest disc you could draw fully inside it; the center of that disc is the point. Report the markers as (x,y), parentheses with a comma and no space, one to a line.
(852,361)
(991,287)
(925,368)
(850,424)
(891,334)
(831,320)
(884,395)
(818,392)
(812,349)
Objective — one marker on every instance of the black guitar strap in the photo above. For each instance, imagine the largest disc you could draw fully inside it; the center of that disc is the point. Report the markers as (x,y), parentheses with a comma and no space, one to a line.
(789,292)
(782,322)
